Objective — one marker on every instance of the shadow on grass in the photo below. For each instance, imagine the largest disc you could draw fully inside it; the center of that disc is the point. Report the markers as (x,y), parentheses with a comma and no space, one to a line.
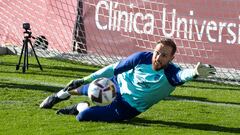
(30,86)
(78,69)
(59,71)
(198,99)
(40,73)
(197,126)
(215,87)
(64,68)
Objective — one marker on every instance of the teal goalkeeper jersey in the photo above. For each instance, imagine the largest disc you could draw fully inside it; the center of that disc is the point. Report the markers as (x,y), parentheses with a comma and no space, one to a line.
(139,84)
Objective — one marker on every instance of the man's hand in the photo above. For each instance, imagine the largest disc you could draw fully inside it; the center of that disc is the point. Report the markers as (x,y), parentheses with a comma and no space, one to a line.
(204,70)
(74,84)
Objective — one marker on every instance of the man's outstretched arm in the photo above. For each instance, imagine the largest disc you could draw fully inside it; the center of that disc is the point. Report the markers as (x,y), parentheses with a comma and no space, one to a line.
(200,70)
(107,72)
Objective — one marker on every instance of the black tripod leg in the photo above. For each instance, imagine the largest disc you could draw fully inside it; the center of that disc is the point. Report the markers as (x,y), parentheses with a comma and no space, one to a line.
(36,56)
(20,58)
(25,56)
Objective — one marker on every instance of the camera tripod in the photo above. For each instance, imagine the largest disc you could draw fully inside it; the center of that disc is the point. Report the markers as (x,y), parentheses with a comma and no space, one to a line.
(24,51)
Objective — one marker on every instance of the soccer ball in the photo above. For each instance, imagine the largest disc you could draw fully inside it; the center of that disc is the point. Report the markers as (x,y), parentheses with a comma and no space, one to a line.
(102,91)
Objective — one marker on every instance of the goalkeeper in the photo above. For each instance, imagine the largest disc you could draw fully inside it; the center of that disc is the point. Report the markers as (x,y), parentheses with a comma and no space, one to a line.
(142,80)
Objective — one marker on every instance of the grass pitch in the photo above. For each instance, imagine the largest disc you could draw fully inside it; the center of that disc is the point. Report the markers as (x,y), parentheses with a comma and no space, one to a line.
(194,108)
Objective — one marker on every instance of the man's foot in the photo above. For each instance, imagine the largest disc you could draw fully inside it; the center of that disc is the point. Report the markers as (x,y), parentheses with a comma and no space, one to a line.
(50,101)
(72,110)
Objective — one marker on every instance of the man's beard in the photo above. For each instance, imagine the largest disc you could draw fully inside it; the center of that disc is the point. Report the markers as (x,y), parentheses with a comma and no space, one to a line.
(162,67)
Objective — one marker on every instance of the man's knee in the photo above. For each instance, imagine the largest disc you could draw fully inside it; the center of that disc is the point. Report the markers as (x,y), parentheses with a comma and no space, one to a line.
(82,116)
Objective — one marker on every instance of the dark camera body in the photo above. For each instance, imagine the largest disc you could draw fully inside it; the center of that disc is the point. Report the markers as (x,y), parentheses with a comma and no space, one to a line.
(26,26)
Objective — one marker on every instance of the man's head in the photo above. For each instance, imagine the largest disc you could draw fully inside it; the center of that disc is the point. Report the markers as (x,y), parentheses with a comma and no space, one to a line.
(163,53)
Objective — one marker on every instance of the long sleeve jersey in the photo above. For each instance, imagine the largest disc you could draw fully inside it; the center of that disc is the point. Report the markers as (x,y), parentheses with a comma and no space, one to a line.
(139,84)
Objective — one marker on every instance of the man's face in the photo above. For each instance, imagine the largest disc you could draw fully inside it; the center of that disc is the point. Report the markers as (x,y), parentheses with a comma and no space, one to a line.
(162,55)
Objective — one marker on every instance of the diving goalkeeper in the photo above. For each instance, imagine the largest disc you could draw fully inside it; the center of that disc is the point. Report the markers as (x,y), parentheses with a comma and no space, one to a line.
(142,80)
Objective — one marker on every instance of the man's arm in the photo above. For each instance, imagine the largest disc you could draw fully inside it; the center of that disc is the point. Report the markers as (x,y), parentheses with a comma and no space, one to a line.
(200,70)
(107,72)
(186,74)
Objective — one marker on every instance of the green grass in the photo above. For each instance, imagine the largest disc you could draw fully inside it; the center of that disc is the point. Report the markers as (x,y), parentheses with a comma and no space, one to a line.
(204,108)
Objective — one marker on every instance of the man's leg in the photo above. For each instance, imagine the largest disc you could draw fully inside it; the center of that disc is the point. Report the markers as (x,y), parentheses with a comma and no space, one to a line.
(118,110)
(74,109)
(55,98)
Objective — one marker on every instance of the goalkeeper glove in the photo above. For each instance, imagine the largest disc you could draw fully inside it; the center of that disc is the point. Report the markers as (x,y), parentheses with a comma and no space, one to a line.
(204,70)
(77,83)
(74,84)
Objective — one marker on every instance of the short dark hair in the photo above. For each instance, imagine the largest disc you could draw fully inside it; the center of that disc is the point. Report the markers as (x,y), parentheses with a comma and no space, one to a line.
(169,42)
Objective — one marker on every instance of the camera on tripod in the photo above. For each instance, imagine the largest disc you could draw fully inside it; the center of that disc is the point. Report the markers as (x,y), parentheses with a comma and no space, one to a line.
(26,26)
(24,51)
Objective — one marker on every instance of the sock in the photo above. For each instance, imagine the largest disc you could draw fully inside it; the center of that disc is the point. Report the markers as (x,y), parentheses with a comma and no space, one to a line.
(63,94)
(82,106)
